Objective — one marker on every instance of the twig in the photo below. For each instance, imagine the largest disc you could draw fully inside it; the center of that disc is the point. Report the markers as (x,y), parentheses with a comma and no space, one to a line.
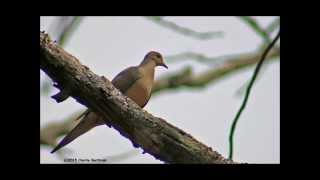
(200,58)
(154,135)
(188,55)
(242,89)
(273,26)
(50,133)
(69,29)
(257,28)
(264,34)
(186,78)
(255,73)
(45,86)
(64,27)
(183,30)
(57,26)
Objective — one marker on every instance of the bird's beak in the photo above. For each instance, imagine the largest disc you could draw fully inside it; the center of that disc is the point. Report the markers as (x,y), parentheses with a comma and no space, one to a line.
(164,65)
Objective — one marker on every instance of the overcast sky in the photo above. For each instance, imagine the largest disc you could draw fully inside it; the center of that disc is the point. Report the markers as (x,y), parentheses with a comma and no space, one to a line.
(107,45)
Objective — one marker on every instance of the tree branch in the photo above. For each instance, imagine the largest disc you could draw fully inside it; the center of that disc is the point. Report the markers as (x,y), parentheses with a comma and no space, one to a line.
(199,57)
(245,100)
(183,30)
(273,26)
(69,29)
(50,133)
(265,34)
(183,78)
(64,28)
(154,135)
(186,78)
(256,27)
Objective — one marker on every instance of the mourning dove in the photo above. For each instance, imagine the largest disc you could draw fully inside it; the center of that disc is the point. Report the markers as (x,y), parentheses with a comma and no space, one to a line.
(135,82)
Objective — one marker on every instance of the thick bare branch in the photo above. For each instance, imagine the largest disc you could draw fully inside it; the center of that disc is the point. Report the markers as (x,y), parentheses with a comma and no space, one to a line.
(51,132)
(154,135)
(64,28)
(183,78)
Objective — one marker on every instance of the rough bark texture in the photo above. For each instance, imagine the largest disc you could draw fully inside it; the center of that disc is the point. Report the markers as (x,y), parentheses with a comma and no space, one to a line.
(154,135)
(183,78)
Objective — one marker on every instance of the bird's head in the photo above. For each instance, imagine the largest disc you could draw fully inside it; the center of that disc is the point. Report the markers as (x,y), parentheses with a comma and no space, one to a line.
(157,58)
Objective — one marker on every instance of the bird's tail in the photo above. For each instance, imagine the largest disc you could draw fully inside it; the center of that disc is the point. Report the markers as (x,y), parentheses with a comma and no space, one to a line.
(89,121)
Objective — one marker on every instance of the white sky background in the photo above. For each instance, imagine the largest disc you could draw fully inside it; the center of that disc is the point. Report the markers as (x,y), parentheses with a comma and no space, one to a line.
(107,45)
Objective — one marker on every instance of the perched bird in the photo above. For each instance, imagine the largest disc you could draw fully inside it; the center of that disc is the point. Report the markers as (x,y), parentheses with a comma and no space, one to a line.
(135,82)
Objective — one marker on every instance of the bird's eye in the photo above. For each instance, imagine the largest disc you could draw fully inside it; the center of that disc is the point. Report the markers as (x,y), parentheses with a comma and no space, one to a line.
(158,56)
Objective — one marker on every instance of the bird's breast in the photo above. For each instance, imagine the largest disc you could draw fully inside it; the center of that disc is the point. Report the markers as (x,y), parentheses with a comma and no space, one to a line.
(140,91)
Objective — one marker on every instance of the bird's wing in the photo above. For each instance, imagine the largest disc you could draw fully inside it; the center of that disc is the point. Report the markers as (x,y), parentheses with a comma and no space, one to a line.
(123,81)
(126,78)
(89,121)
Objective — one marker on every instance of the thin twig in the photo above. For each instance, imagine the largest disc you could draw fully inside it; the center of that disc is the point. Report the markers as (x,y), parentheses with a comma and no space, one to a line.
(273,26)
(51,132)
(270,28)
(200,58)
(45,85)
(69,29)
(257,28)
(183,30)
(58,24)
(256,71)
(242,89)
